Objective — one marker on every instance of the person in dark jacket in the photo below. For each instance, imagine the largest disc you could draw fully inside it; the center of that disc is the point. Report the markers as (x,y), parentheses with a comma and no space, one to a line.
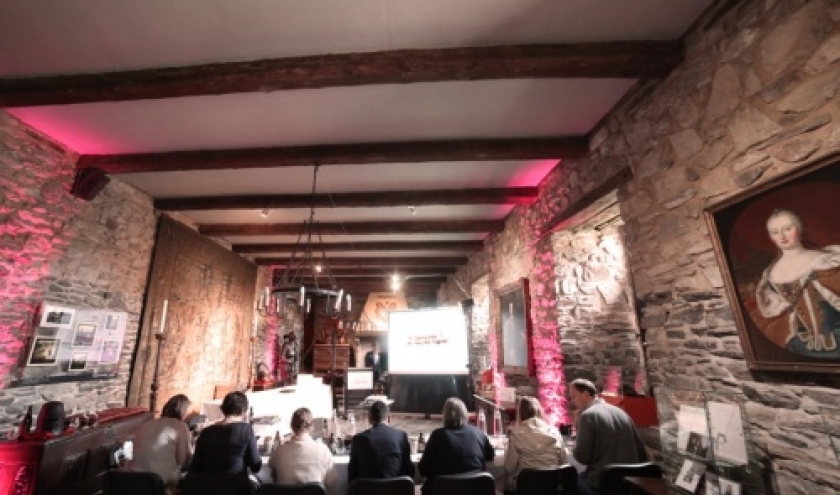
(456,448)
(605,435)
(228,447)
(381,451)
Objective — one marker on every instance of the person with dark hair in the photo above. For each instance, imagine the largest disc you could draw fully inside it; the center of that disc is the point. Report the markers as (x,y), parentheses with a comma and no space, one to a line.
(380,451)
(302,459)
(228,447)
(163,446)
(532,443)
(605,435)
(456,448)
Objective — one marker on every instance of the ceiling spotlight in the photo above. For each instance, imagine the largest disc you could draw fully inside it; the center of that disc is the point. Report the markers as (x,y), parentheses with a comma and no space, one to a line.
(264,213)
(412,210)
(318,268)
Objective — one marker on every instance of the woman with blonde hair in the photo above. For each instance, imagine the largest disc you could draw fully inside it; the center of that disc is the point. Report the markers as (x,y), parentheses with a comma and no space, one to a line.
(532,443)
(302,459)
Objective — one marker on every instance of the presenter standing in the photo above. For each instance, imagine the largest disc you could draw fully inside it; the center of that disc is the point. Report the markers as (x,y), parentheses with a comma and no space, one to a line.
(377,360)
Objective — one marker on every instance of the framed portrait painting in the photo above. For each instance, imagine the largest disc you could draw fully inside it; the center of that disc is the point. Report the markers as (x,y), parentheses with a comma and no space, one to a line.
(515,330)
(779,251)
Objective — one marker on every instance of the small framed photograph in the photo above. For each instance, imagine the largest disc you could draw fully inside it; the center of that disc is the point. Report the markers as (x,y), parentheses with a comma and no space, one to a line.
(698,444)
(729,487)
(112,321)
(78,362)
(110,351)
(85,333)
(56,316)
(689,476)
(44,352)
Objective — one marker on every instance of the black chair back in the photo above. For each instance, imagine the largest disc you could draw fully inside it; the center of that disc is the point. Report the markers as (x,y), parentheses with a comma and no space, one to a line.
(401,485)
(612,479)
(216,484)
(547,481)
(462,484)
(119,482)
(299,489)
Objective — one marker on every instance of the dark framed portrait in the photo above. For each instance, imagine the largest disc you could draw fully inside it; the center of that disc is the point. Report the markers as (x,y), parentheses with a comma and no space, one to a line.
(44,352)
(515,329)
(778,246)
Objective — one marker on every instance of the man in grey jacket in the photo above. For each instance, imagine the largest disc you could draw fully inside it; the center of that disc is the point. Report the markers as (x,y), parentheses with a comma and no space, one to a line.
(605,435)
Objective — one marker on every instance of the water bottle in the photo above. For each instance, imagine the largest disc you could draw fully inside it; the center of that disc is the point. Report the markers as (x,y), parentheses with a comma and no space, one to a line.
(497,424)
(421,444)
(481,421)
(25,424)
(335,426)
(351,425)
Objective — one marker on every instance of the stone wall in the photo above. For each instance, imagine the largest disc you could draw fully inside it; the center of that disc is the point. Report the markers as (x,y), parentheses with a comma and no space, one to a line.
(57,248)
(598,326)
(756,97)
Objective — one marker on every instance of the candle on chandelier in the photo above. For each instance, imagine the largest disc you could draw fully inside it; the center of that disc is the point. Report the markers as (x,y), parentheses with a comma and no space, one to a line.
(163,316)
(302,297)
(338,300)
(348,302)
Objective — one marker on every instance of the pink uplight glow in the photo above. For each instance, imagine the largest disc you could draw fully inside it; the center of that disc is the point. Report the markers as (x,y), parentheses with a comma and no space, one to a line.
(33,236)
(67,131)
(532,173)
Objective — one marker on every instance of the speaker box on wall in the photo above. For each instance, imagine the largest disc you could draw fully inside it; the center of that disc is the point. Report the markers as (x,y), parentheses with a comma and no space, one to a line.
(88,183)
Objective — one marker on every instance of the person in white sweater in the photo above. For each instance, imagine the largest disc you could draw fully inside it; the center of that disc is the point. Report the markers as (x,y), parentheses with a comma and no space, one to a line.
(302,459)
(532,443)
(163,446)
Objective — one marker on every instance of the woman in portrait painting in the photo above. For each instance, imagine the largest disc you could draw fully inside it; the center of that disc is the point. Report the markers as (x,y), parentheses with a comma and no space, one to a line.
(798,295)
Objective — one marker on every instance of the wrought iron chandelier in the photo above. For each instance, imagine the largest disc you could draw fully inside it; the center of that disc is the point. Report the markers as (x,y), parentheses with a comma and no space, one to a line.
(307,275)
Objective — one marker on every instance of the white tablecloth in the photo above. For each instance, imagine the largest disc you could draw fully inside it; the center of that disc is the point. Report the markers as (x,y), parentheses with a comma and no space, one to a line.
(496,468)
(281,402)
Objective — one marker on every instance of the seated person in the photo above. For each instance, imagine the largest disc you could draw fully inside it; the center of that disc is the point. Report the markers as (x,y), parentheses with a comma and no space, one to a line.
(302,459)
(163,446)
(381,451)
(228,447)
(456,448)
(532,443)
(605,435)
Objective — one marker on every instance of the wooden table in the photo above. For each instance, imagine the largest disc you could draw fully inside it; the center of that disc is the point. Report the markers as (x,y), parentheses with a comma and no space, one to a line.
(647,486)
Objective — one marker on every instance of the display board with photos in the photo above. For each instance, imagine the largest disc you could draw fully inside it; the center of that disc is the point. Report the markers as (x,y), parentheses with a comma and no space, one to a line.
(72,342)
(706,443)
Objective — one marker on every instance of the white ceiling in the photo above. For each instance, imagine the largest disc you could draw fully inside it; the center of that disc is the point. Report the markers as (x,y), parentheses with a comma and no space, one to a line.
(48,37)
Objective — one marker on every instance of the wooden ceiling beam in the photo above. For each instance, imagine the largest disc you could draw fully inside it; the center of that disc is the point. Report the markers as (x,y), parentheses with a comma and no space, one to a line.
(551,148)
(355,228)
(323,281)
(372,271)
(402,263)
(509,195)
(363,246)
(616,59)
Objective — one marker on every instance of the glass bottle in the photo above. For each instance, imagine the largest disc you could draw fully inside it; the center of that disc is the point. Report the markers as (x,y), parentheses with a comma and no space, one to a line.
(481,421)
(351,424)
(421,444)
(497,424)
